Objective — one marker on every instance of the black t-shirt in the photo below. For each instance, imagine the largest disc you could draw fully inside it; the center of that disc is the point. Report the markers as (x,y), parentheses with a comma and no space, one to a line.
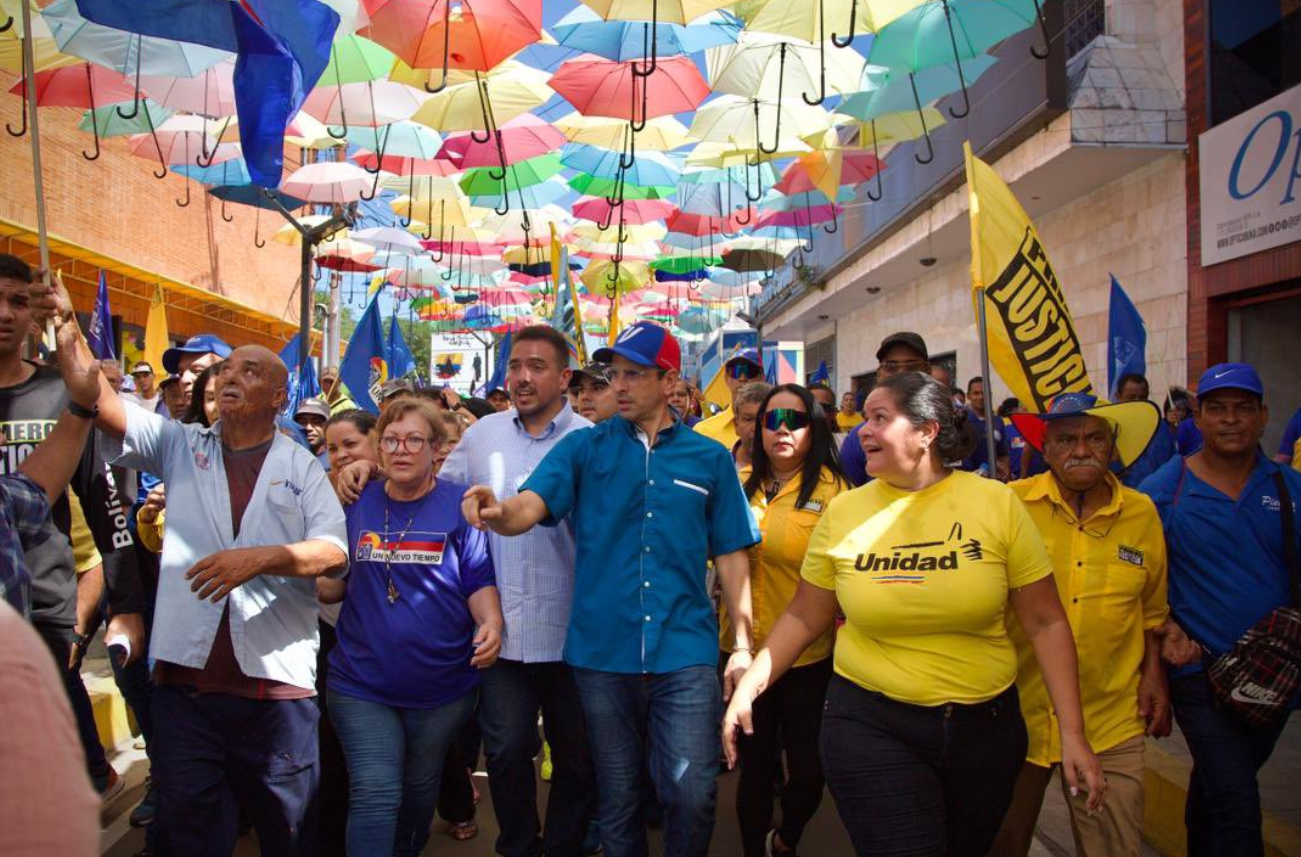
(28,411)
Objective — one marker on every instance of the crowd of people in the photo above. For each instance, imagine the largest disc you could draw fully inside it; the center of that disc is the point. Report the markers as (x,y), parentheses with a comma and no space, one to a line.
(320,619)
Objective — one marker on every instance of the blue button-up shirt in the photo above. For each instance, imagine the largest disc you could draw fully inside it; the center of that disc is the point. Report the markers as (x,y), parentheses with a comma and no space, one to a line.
(1225,555)
(273,620)
(24,510)
(646,519)
(535,571)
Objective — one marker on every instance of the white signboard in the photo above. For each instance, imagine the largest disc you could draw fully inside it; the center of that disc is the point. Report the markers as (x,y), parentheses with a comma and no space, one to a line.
(1251,180)
(453,357)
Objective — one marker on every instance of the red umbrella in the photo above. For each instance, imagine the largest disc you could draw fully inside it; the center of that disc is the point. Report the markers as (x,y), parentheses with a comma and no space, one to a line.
(799,217)
(635,211)
(704,224)
(526,136)
(825,170)
(84,85)
(405,167)
(601,87)
(478,35)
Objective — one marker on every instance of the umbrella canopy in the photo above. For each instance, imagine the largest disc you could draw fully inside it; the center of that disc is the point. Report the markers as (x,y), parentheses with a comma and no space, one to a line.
(386,239)
(405,138)
(210,93)
(632,211)
(356,59)
(378,102)
(83,85)
(749,124)
(608,188)
(257,197)
(825,170)
(329,183)
(752,260)
(107,121)
(584,30)
(513,89)
(661,134)
(816,22)
(605,277)
(648,168)
(764,66)
(672,11)
(524,137)
(466,34)
(523,174)
(345,254)
(534,196)
(936,33)
(230,173)
(882,92)
(122,51)
(601,87)
(404,168)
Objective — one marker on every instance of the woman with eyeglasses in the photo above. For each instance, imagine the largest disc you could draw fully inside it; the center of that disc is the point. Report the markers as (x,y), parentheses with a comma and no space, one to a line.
(922,737)
(421,616)
(794,473)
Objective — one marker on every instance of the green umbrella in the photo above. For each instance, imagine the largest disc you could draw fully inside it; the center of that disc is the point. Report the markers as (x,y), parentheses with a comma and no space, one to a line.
(480,181)
(949,31)
(685,264)
(354,59)
(595,186)
(107,122)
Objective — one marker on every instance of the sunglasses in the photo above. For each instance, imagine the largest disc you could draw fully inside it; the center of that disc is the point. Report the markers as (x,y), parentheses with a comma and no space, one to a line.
(793,420)
(743,370)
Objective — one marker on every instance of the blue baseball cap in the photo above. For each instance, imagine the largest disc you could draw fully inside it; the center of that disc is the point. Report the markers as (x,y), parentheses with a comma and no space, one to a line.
(204,343)
(1231,376)
(746,355)
(646,344)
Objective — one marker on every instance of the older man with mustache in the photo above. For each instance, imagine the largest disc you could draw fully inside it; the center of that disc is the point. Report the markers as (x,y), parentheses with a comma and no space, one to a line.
(1109,564)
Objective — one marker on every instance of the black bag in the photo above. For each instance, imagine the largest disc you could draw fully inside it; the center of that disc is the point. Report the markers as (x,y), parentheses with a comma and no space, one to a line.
(1257,679)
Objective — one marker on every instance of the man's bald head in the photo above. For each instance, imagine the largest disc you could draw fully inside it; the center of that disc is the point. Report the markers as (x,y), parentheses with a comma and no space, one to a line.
(252,385)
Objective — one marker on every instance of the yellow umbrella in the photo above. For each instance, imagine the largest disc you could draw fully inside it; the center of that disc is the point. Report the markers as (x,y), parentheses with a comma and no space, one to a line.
(662,134)
(632,233)
(892,127)
(602,276)
(314,134)
(731,119)
(820,20)
(427,211)
(288,234)
(512,88)
(663,11)
(766,66)
(45,51)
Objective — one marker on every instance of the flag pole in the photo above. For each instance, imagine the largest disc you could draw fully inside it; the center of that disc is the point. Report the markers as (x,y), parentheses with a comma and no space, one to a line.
(990,451)
(38,175)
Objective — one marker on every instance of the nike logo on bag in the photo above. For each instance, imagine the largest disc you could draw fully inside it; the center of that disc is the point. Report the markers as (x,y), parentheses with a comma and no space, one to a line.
(1254,694)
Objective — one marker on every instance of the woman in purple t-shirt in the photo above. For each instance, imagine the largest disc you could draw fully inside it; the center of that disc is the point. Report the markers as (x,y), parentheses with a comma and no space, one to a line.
(420,618)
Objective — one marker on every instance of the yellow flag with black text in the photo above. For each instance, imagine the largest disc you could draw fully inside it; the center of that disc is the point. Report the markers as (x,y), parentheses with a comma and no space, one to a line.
(1032,341)
(156,339)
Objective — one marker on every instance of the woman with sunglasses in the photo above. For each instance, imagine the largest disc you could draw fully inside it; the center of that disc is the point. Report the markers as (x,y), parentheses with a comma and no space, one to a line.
(793,474)
(922,737)
(421,616)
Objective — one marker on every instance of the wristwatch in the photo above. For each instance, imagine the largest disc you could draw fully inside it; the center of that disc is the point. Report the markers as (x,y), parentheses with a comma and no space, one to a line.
(85,413)
(81,641)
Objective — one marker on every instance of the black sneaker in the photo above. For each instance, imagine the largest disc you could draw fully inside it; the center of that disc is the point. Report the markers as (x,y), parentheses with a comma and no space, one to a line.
(143,815)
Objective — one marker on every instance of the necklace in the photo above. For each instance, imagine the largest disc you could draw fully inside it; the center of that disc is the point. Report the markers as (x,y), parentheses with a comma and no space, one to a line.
(393,594)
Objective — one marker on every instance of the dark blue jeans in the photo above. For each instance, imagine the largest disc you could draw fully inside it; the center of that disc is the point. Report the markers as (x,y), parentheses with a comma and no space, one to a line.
(914,781)
(395,763)
(678,714)
(510,698)
(214,752)
(1223,809)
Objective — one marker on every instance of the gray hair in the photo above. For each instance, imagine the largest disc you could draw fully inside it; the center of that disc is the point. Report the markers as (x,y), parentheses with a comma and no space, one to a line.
(752,393)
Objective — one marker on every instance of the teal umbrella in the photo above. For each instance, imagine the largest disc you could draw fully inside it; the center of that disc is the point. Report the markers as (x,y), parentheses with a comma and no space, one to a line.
(950,31)
(107,122)
(484,181)
(405,138)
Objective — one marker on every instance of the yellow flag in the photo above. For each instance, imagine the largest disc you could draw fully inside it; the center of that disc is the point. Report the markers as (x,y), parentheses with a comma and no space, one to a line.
(716,391)
(615,325)
(375,283)
(156,341)
(1032,341)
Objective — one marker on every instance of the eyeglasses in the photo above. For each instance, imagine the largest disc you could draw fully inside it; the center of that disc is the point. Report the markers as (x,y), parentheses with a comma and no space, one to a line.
(632,376)
(744,370)
(793,420)
(903,365)
(412,443)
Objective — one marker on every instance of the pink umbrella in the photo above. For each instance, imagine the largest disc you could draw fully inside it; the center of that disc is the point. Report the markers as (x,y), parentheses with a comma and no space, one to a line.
(375,103)
(211,93)
(329,182)
(405,167)
(703,224)
(526,136)
(601,87)
(634,211)
(84,85)
(799,217)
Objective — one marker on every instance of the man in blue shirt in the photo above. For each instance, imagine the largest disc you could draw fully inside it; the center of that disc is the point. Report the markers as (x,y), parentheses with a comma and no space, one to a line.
(978,461)
(651,501)
(1286,446)
(899,352)
(1221,509)
(1133,387)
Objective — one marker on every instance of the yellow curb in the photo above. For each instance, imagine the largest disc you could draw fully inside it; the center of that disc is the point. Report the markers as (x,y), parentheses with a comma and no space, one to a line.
(112,719)
(1165,784)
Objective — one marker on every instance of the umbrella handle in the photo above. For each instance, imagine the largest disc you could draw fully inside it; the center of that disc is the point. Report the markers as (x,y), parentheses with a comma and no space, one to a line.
(486,109)
(135,105)
(835,226)
(379,155)
(23,128)
(758,182)
(631,161)
(848,40)
(501,159)
(257,225)
(650,32)
(343,113)
(229,218)
(876,153)
(822,56)
(374,189)
(633,123)
(447,48)
(206,158)
(94,123)
(758,143)
(749,215)
(1043,28)
(502,208)
(180,204)
(953,40)
(8,25)
(930,149)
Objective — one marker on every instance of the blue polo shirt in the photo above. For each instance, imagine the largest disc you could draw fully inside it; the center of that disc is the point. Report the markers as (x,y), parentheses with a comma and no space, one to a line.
(646,520)
(1291,432)
(1225,556)
(978,461)
(853,459)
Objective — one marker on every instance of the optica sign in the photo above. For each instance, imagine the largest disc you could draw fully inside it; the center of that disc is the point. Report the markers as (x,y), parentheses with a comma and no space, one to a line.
(1250,170)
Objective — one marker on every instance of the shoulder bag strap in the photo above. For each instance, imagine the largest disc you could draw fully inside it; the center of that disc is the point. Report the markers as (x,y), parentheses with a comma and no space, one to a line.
(1289,535)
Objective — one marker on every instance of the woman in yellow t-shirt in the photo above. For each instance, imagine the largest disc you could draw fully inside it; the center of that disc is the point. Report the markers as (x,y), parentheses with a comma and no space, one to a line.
(794,473)
(922,737)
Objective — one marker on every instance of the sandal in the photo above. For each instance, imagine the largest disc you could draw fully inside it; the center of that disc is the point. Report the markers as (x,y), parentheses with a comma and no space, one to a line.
(463,831)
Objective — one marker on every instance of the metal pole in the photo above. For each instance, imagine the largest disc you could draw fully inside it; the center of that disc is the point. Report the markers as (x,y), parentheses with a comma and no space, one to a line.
(333,320)
(38,174)
(306,297)
(989,391)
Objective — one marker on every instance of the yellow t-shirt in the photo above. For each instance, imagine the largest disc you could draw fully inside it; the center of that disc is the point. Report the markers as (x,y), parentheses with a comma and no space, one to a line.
(923,580)
(1111,578)
(775,561)
(721,427)
(85,553)
(1296,455)
(847,422)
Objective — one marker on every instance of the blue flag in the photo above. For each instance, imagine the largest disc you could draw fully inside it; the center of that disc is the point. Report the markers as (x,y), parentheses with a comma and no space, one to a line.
(283,46)
(303,383)
(365,368)
(100,335)
(1126,339)
(397,355)
(498,378)
(822,375)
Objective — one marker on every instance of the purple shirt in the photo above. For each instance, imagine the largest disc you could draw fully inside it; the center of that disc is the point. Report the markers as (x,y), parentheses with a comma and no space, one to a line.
(414,652)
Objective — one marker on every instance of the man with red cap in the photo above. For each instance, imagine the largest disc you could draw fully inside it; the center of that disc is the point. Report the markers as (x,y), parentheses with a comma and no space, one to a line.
(650,501)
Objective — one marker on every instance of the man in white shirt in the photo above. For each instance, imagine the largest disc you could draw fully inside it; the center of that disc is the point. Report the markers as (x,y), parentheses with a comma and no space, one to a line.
(146,394)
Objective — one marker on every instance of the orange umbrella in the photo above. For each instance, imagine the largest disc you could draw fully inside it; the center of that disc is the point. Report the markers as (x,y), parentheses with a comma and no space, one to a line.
(601,87)
(478,35)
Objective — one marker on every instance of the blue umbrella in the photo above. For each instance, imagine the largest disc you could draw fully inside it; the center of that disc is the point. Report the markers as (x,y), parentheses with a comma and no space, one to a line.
(584,30)
(894,92)
(531,197)
(782,202)
(232,173)
(713,200)
(647,168)
(257,197)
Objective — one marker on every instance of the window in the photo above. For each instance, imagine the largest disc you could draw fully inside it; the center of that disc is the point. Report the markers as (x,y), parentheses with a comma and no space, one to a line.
(1255,53)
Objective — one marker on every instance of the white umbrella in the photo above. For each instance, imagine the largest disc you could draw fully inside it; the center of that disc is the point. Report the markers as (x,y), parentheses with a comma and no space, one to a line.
(330,182)
(388,239)
(379,102)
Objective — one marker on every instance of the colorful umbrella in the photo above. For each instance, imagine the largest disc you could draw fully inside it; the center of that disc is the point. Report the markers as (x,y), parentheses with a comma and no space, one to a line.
(511,89)
(210,93)
(661,134)
(648,168)
(770,67)
(379,102)
(355,59)
(601,87)
(329,183)
(584,30)
(633,211)
(524,137)
(744,122)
